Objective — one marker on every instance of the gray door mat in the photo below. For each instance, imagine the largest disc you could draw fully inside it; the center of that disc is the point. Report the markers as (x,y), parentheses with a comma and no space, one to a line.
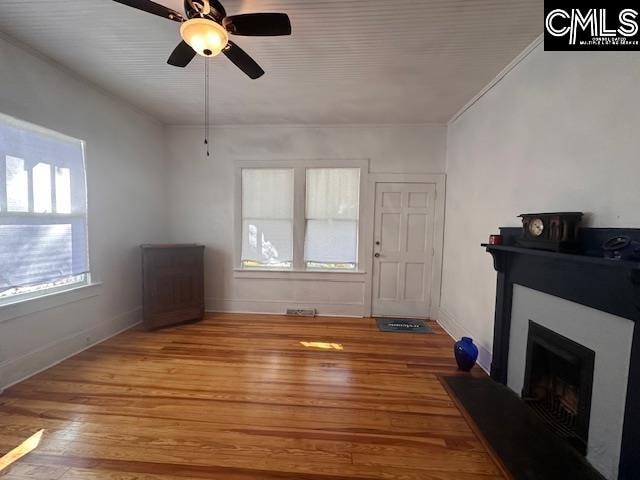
(403,325)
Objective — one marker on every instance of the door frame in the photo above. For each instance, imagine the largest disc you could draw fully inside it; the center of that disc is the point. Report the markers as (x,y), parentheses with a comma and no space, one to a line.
(439,180)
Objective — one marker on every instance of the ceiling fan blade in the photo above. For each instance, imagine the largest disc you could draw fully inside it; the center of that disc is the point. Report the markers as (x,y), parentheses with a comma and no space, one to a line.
(218,7)
(258,24)
(181,55)
(243,61)
(154,8)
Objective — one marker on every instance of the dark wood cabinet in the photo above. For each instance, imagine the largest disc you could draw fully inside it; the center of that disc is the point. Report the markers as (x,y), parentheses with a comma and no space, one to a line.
(172,284)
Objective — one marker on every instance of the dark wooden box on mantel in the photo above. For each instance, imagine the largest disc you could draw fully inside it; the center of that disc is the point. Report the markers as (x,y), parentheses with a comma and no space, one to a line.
(172,284)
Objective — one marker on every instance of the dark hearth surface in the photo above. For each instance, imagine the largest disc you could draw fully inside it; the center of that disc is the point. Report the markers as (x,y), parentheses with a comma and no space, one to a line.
(522,441)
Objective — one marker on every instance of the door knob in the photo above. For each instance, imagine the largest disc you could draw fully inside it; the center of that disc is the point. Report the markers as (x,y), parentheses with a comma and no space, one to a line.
(376,255)
(378,242)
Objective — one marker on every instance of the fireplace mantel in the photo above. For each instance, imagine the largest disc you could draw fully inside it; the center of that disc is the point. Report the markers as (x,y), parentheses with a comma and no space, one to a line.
(632,267)
(612,286)
(607,285)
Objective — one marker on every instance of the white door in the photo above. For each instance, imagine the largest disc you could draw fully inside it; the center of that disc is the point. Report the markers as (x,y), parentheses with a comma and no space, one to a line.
(403,249)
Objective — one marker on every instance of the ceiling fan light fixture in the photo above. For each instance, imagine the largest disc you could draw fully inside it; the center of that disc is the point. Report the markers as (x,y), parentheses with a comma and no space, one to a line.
(205,36)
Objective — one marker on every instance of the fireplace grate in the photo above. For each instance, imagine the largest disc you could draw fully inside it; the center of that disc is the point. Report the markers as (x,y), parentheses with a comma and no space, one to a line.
(558,384)
(555,414)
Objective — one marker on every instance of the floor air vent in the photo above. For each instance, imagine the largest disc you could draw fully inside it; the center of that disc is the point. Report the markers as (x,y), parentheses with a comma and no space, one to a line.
(301,312)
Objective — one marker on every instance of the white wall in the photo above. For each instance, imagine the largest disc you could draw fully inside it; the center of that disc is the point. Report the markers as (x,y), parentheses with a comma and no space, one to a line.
(124,155)
(201,207)
(557,133)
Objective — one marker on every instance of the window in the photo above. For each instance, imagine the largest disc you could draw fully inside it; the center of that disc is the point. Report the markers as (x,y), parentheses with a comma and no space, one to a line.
(267,218)
(43,210)
(331,238)
(299,216)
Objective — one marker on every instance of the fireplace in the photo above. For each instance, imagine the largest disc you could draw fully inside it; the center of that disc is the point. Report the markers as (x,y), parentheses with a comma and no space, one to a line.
(558,383)
(594,302)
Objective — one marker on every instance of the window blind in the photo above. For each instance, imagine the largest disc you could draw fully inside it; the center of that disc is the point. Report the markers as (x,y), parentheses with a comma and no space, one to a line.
(43,206)
(267,217)
(332,215)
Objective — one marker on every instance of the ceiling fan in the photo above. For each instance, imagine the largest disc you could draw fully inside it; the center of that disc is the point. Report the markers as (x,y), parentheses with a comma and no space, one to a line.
(206,27)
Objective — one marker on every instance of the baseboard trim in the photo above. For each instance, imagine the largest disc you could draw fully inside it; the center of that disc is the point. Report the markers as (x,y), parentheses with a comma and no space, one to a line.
(21,368)
(237,312)
(278,307)
(455,331)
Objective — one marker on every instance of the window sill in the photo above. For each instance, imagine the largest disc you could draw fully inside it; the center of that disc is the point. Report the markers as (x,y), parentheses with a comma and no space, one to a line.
(325,275)
(47,301)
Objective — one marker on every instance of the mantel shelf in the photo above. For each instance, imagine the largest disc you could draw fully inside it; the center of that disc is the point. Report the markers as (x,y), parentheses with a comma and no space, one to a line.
(572,257)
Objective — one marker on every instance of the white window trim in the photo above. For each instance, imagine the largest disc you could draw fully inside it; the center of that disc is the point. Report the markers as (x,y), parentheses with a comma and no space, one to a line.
(299,269)
(29,303)
(325,274)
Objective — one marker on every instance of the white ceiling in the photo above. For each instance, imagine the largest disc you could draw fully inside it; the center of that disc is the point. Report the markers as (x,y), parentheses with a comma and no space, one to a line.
(348,61)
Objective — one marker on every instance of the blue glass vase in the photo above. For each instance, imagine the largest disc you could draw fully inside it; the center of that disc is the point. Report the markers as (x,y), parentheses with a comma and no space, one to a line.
(466,353)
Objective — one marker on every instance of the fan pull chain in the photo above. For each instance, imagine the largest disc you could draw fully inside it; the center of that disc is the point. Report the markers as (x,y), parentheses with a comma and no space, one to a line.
(206,104)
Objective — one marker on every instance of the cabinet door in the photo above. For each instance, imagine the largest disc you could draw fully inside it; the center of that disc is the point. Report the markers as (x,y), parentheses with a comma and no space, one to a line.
(173,286)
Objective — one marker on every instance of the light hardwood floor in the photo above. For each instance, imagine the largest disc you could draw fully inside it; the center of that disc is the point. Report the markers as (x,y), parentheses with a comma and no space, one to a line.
(239,397)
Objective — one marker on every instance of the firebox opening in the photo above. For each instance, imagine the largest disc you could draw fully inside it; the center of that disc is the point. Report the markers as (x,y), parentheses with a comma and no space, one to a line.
(558,383)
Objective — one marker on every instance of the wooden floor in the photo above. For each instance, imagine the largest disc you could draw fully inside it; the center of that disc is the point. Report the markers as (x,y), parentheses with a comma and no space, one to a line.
(240,397)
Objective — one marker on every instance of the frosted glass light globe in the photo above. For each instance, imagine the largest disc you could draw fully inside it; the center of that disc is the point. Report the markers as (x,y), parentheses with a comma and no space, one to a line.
(205,36)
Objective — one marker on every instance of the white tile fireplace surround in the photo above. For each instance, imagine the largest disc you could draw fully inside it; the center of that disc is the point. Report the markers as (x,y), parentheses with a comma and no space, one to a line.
(608,336)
